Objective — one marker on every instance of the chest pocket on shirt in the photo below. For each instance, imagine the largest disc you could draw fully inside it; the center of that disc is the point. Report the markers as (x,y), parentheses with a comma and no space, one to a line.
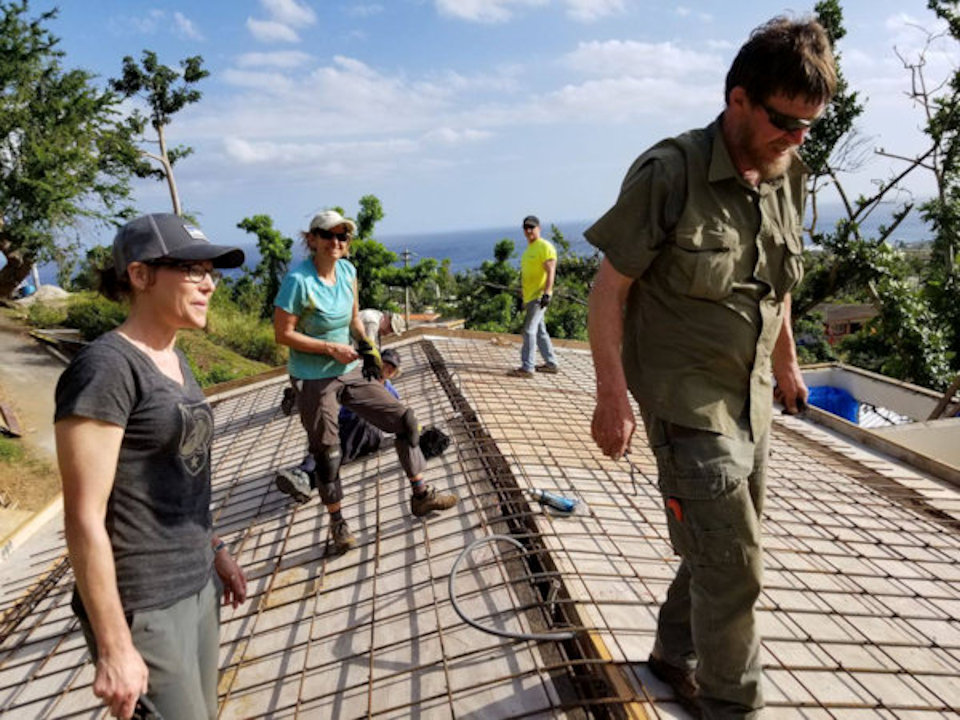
(703,261)
(791,269)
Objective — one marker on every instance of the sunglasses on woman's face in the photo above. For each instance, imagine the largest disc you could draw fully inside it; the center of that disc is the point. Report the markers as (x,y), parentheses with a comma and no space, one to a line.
(343,237)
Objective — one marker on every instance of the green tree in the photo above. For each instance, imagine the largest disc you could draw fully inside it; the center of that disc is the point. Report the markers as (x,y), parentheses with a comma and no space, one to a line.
(907,337)
(65,156)
(372,261)
(166,92)
(488,297)
(942,212)
(64,153)
(95,261)
(371,212)
(276,251)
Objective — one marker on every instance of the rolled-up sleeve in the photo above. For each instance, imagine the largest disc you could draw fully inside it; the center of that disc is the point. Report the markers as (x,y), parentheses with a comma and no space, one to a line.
(632,232)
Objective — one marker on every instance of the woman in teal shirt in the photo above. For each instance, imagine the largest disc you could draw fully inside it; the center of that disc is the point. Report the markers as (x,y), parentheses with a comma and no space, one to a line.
(315,313)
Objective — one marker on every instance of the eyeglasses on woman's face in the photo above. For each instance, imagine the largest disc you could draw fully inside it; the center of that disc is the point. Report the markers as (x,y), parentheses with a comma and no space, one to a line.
(193,272)
(343,237)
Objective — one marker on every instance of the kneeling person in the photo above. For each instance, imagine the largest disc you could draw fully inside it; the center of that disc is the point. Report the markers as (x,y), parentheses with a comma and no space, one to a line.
(316,311)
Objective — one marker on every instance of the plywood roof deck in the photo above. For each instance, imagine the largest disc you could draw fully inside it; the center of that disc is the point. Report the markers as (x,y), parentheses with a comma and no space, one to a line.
(859,613)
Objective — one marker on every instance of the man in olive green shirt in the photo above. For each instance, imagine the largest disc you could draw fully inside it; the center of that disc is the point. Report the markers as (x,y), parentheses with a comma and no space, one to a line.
(702,249)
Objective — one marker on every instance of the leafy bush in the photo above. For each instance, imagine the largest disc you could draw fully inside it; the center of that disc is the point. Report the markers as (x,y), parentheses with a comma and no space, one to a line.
(95,315)
(245,333)
(42,315)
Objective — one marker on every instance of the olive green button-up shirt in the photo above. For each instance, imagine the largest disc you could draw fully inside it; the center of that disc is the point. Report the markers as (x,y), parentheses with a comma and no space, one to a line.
(713,258)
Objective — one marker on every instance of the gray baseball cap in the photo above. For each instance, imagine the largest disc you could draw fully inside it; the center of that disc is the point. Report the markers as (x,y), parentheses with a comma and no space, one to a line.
(162,236)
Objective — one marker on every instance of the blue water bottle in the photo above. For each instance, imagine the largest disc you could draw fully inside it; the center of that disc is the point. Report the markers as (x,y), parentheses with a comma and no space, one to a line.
(557,502)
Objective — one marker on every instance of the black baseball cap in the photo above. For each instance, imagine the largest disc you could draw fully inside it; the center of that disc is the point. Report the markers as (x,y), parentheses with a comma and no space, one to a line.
(162,236)
(391,356)
(531,220)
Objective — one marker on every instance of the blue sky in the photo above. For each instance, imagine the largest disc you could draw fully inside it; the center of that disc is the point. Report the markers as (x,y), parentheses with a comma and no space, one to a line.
(458,114)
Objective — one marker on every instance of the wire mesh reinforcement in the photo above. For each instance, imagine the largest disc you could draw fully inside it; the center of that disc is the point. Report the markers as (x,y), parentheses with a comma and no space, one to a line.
(858,614)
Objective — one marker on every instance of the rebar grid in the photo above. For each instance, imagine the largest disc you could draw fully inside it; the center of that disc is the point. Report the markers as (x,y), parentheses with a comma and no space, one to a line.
(859,611)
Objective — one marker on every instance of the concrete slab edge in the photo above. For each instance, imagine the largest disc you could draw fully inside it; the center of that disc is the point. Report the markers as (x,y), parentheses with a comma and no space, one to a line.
(28,527)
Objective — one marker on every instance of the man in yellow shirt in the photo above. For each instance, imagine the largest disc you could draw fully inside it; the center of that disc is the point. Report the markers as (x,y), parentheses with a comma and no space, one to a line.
(538,269)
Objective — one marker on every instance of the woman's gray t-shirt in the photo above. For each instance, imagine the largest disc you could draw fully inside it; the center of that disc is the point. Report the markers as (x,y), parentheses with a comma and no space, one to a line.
(158,513)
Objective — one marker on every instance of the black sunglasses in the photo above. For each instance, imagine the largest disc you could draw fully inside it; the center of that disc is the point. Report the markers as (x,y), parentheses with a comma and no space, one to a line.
(343,237)
(787,123)
(529,227)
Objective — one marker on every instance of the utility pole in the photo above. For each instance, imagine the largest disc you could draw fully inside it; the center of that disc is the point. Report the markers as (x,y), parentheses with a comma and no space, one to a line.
(406,290)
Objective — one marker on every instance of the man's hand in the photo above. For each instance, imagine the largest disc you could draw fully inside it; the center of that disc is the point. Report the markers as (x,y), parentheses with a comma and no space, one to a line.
(544,300)
(232,577)
(121,678)
(790,390)
(613,425)
(372,364)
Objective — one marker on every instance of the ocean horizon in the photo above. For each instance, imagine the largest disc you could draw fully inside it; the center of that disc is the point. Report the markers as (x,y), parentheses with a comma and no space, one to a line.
(467,249)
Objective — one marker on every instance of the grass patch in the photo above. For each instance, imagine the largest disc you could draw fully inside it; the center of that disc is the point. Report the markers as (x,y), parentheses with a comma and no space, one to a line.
(234,345)
(212,363)
(29,481)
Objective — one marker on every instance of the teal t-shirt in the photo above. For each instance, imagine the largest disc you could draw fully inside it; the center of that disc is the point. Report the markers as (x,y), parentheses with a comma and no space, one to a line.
(323,312)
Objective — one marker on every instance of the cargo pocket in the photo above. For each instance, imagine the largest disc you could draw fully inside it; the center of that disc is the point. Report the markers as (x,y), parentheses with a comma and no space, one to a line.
(703,262)
(706,498)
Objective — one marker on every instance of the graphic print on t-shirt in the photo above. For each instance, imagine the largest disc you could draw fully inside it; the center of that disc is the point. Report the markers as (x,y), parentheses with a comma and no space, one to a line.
(195,436)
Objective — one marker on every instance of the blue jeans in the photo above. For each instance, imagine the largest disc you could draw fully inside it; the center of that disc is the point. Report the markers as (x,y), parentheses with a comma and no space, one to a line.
(535,330)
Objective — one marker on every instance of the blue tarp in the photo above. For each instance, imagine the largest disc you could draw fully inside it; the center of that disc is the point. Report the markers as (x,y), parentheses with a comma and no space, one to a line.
(836,401)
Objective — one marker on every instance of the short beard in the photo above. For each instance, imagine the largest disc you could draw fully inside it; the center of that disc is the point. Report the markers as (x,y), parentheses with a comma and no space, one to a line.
(766,169)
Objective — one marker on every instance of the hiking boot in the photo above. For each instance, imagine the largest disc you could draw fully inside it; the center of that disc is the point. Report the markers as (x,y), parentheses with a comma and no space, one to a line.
(342,538)
(549,368)
(431,500)
(295,483)
(289,401)
(682,682)
(520,373)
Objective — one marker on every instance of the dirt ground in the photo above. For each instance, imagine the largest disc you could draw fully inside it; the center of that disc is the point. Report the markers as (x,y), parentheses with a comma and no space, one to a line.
(28,377)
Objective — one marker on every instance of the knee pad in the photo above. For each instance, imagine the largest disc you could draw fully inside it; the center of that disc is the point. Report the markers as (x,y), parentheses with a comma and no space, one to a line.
(411,428)
(328,467)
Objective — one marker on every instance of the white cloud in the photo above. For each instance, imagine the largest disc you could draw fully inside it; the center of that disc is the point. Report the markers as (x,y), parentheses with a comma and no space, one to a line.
(148,23)
(279,59)
(589,10)
(367,10)
(631,98)
(451,136)
(483,10)
(327,158)
(266,82)
(289,12)
(186,27)
(270,31)
(639,59)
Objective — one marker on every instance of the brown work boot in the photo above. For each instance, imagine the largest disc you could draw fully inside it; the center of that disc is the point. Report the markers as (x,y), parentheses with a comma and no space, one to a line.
(549,368)
(682,682)
(342,538)
(520,373)
(431,500)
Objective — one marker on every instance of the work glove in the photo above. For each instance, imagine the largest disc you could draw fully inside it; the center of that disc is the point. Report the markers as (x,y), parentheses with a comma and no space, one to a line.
(544,300)
(372,364)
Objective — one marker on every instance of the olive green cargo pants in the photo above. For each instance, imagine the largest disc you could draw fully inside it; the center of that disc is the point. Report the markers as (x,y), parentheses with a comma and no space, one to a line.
(713,489)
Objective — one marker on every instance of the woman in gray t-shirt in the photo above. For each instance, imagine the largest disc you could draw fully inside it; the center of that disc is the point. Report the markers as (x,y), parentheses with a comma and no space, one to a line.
(133,436)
